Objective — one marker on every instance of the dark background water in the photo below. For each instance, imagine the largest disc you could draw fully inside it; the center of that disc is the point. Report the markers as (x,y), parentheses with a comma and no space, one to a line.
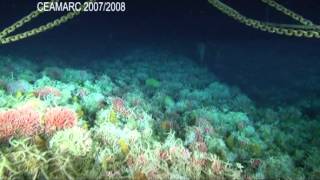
(269,68)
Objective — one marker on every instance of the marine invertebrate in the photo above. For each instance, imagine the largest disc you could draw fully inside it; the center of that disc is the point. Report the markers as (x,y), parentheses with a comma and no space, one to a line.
(105,84)
(33,103)
(204,125)
(82,92)
(46,91)
(93,102)
(118,104)
(255,163)
(112,117)
(209,126)
(201,146)
(139,176)
(230,141)
(53,72)
(169,103)
(152,83)
(27,158)
(28,122)
(19,122)
(58,118)
(123,146)
(255,149)
(18,86)
(8,126)
(6,167)
(74,141)
(278,167)
(166,125)
(79,76)
(217,166)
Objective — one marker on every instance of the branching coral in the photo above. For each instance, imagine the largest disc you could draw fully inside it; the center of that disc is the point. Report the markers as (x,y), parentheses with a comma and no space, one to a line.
(25,160)
(19,122)
(6,167)
(58,118)
(204,128)
(47,91)
(74,141)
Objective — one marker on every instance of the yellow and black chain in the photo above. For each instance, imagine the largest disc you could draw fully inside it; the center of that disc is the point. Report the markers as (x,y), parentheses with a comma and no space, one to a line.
(263,26)
(288,12)
(3,34)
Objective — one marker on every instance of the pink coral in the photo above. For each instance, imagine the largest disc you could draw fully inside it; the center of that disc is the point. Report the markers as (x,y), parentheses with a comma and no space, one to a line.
(217,167)
(59,118)
(46,91)
(199,136)
(202,147)
(204,126)
(255,163)
(164,155)
(8,124)
(20,122)
(29,122)
(118,105)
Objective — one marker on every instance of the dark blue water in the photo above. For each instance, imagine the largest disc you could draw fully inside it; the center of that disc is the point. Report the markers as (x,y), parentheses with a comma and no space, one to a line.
(253,60)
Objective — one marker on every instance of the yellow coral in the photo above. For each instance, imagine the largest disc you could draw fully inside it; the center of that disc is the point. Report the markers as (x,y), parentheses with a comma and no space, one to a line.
(85,125)
(255,149)
(75,99)
(123,146)
(230,142)
(113,117)
(19,94)
(80,113)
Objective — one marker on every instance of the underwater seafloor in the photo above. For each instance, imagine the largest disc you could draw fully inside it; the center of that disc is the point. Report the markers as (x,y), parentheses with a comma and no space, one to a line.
(146,115)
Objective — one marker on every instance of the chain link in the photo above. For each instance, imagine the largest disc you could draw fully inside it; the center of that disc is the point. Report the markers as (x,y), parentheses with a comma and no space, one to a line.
(5,39)
(19,23)
(309,30)
(288,12)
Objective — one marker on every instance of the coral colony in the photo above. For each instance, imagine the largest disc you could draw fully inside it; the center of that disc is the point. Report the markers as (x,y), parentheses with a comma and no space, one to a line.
(140,120)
